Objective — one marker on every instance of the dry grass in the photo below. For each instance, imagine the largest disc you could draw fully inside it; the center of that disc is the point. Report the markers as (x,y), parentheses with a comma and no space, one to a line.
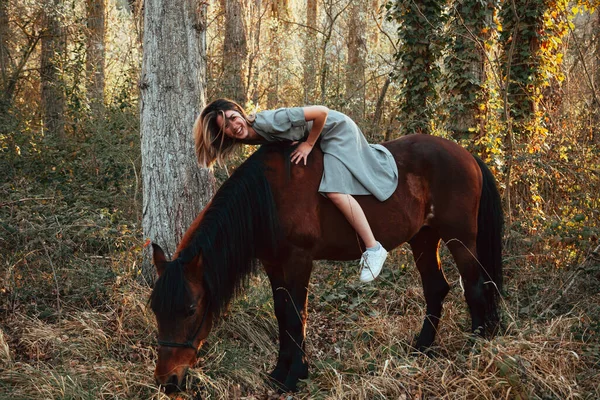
(359,344)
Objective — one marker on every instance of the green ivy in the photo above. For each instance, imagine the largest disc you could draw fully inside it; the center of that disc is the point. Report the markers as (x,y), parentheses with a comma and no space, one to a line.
(466,67)
(531,38)
(420,33)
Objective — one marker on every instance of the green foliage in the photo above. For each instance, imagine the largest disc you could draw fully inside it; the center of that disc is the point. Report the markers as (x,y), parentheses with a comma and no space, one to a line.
(67,208)
(531,38)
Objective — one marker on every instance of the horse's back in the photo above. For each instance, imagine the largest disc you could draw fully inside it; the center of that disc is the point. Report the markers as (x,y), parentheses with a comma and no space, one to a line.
(449,177)
(433,172)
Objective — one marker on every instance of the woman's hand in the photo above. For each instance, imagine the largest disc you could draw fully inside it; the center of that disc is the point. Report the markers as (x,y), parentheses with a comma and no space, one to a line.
(301,152)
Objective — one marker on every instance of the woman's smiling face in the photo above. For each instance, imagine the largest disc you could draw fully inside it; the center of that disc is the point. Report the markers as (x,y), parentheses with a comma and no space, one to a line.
(233,124)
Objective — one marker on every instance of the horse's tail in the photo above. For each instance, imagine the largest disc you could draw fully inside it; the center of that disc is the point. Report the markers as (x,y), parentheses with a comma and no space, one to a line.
(490,222)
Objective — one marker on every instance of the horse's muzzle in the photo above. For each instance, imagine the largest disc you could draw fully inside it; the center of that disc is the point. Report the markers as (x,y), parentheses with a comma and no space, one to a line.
(173,383)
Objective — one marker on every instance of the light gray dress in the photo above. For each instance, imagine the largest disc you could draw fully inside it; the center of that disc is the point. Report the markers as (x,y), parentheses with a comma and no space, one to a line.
(351,165)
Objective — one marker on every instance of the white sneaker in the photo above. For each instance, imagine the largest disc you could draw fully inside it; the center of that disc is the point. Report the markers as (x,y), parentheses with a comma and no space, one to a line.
(371,263)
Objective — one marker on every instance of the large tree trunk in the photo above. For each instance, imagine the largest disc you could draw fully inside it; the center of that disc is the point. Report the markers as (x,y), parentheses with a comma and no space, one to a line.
(95,56)
(355,68)
(172,93)
(235,52)
(53,94)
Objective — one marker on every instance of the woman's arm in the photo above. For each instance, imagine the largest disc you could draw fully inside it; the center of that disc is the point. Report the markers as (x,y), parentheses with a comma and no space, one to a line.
(318,116)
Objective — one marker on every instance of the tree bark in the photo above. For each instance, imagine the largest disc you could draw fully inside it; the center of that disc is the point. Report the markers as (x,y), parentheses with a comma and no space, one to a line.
(235,51)
(95,56)
(53,94)
(172,87)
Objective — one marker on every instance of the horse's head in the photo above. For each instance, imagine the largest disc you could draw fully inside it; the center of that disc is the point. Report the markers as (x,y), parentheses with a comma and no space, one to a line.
(183,316)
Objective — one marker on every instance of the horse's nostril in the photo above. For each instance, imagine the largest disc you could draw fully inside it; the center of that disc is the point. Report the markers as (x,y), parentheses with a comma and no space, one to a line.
(173,380)
(171,385)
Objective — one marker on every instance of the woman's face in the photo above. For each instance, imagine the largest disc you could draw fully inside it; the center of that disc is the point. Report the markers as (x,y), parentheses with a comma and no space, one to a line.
(233,125)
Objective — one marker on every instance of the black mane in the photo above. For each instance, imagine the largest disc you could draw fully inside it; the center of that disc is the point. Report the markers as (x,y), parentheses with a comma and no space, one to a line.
(240,223)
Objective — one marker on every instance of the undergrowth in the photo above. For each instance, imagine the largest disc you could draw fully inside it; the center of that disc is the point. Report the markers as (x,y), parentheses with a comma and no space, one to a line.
(74,322)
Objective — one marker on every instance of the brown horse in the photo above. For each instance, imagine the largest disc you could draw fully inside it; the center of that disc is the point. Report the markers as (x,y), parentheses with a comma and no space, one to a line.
(269,210)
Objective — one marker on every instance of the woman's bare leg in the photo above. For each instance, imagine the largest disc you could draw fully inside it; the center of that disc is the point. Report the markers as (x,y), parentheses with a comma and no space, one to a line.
(373,258)
(355,215)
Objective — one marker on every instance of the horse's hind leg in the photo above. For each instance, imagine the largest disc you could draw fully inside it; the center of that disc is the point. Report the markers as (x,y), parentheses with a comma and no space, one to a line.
(464,251)
(435,287)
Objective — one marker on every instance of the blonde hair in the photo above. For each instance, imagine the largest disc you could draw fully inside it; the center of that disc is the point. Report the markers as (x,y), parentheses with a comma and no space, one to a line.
(212,145)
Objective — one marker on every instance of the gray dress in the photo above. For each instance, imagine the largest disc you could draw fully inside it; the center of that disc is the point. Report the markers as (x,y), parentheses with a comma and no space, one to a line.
(351,165)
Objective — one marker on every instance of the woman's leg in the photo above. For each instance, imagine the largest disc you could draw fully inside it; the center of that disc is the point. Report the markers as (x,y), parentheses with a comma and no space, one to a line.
(355,215)
(373,258)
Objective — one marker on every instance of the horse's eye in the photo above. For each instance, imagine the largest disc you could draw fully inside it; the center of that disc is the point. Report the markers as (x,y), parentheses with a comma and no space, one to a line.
(192,310)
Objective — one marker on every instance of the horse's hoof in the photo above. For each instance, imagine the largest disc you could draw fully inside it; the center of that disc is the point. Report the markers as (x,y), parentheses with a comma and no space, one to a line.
(277,380)
(291,384)
(420,349)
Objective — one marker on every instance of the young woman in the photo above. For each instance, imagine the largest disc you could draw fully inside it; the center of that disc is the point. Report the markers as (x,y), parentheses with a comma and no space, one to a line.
(351,165)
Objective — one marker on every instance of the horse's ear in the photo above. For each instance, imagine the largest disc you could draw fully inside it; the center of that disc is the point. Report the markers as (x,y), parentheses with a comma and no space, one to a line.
(158,256)
(194,270)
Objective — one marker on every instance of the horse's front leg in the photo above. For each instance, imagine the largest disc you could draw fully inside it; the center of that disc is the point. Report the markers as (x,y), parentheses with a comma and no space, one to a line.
(290,296)
(280,298)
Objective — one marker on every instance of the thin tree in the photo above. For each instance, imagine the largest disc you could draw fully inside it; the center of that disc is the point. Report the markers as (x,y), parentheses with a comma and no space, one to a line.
(53,50)
(355,67)
(95,55)
(4,59)
(172,92)
(310,53)
(235,51)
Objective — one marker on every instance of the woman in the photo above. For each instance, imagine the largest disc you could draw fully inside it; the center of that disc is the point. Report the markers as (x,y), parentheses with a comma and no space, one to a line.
(351,165)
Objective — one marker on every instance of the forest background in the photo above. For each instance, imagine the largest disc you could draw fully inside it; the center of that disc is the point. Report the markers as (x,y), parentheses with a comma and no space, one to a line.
(515,82)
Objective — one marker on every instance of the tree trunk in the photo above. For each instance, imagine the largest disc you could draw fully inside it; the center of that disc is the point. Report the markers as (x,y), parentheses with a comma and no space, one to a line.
(419,32)
(172,92)
(235,52)
(596,86)
(53,94)
(466,66)
(523,24)
(355,68)
(310,56)
(95,56)
(4,34)
(253,69)
(380,101)
(279,11)
(4,60)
